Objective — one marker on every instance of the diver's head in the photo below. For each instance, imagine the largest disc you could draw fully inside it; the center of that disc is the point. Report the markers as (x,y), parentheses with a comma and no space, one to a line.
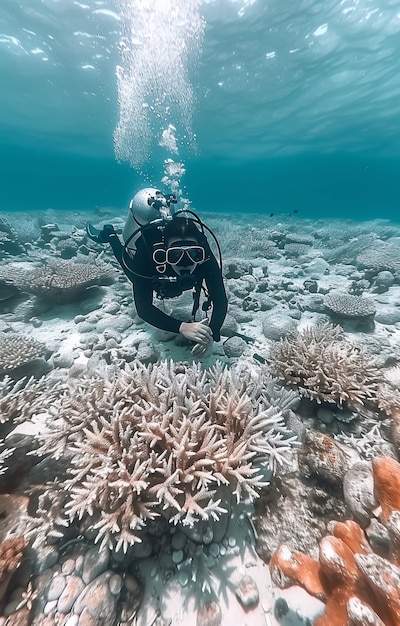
(184,246)
(150,204)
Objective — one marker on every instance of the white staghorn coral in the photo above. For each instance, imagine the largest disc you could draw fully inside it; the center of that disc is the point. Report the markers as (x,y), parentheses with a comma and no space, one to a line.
(17,350)
(166,440)
(325,367)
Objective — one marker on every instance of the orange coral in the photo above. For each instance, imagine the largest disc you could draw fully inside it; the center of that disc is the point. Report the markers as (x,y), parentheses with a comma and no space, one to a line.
(387,485)
(347,572)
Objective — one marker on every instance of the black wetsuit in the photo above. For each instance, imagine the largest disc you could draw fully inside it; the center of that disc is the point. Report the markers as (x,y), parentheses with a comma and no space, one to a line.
(142,273)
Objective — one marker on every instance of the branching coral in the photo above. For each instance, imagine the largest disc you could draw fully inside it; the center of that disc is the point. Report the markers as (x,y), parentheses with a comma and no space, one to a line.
(161,440)
(17,350)
(325,367)
(19,400)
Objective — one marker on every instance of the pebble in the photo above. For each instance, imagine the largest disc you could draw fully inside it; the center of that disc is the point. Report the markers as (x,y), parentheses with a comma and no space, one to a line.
(209,614)
(115,584)
(73,589)
(177,556)
(247,593)
(68,566)
(97,599)
(178,540)
(56,587)
(358,489)
(214,550)
(95,563)
(85,327)
(50,607)
(112,308)
(183,578)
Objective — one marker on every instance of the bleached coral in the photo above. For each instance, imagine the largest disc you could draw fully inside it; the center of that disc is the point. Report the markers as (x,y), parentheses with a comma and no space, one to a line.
(17,350)
(61,280)
(348,305)
(166,440)
(326,367)
(19,400)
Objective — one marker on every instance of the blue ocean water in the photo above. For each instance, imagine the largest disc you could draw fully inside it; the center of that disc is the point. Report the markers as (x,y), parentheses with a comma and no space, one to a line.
(275,106)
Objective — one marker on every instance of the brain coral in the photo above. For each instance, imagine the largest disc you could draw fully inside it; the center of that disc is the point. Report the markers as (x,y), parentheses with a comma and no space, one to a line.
(325,367)
(166,440)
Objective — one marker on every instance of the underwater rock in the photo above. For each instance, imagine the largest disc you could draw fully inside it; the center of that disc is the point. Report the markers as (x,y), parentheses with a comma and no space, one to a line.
(321,458)
(277,323)
(229,327)
(247,593)
(95,563)
(209,614)
(383,280)
(286,513)
(234,347)
(358,489)
(236,268)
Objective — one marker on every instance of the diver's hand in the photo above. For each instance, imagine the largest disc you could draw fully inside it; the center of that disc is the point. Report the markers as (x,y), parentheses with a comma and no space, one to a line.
(200,349)
(198,332)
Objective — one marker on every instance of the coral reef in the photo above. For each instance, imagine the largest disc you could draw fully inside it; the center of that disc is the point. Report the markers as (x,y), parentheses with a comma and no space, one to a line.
(9,242)
(164,440)
(61,280)
(357,585)
(17,350)
(325,367)
(380,257)
(346,305)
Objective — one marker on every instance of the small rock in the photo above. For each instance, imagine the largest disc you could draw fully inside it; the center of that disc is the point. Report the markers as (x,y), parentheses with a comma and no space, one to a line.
(247,593)
(358,489)
(97,600)
(209,615)
(72,591)
(95,563)
(56,587)
(281,608)
(234,347)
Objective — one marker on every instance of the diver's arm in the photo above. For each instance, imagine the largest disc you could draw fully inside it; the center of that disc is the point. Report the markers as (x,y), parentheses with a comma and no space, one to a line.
(216,291)
(143,296)
(118,250)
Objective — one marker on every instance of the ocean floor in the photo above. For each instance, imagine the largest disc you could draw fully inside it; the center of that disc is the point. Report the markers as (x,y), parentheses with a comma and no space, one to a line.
(311,340)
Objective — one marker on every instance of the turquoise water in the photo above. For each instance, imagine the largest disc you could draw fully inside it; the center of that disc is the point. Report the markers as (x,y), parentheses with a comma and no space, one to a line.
(293,108)
(337,186)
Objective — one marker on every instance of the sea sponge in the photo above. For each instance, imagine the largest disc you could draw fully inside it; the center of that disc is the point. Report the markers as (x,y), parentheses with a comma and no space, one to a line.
(164,440)
(17,350)
(325,367)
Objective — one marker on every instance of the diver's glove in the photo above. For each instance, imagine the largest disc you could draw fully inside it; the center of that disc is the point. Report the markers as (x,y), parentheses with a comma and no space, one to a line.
(100,236)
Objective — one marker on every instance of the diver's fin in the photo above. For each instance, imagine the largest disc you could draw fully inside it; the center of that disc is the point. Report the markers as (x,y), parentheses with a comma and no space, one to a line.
(93,233)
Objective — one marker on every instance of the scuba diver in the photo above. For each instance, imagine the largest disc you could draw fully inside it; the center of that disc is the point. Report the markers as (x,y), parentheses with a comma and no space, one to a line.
(166,253)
